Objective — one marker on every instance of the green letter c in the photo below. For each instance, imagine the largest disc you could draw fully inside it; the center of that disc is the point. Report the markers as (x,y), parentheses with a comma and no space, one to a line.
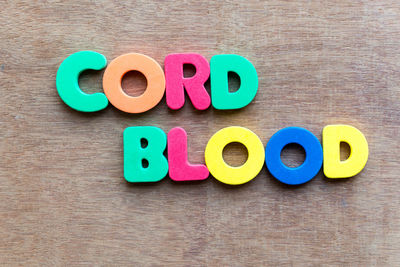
(67,81)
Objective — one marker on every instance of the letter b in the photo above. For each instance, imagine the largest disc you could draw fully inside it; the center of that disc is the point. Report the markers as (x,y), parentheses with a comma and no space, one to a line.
(136,154)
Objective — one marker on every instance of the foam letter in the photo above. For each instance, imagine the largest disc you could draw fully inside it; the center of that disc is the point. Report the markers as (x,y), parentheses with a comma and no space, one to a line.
(135,154)
(220,96)
(155,83)
(67,81)
(179,167)
(228,174)
(311,165)
(332,135)
(175,82)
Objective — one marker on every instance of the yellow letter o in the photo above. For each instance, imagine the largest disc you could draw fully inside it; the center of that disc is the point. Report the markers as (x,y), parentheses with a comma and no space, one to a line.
(226,173)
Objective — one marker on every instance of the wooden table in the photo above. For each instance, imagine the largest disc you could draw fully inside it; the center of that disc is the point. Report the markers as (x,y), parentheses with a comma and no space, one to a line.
(63,198)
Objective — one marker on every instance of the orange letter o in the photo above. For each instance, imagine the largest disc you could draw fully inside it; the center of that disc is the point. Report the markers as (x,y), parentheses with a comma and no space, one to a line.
(116,70)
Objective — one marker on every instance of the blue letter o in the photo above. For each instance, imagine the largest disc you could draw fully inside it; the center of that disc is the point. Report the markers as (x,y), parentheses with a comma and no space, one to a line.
(311,165)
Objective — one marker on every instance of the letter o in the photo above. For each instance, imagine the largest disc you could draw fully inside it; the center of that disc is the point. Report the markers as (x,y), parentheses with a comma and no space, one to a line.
(228,174)
(311,165)
(116,70)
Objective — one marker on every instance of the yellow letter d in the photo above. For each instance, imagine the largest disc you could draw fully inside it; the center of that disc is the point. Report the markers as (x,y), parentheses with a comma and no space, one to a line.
(332,136)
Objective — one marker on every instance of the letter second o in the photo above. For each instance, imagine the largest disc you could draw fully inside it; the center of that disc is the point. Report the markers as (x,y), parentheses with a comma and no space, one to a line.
(226,173)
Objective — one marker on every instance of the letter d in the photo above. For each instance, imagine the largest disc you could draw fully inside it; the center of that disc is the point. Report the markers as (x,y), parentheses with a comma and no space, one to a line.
(332,135)
(220,66)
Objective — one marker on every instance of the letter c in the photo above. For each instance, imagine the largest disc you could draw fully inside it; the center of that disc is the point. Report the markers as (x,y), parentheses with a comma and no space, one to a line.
(67,81)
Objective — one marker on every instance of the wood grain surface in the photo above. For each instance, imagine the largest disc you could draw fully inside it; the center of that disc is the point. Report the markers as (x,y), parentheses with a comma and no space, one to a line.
(63,199)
